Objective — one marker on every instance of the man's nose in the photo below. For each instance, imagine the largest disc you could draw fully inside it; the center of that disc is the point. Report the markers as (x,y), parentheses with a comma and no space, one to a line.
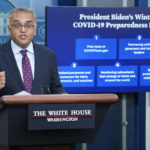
(23,29)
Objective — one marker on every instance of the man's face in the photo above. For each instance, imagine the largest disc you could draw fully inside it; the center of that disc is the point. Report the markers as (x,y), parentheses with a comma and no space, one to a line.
(22,35)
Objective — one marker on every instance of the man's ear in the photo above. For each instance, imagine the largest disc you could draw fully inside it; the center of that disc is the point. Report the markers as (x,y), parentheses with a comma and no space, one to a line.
(9,30)
(35,29)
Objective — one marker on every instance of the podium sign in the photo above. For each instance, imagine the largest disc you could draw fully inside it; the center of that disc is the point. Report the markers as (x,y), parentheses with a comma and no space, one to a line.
(61,116)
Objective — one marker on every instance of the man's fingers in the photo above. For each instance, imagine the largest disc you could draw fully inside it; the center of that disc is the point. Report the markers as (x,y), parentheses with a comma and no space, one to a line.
(2,79)
(2,74)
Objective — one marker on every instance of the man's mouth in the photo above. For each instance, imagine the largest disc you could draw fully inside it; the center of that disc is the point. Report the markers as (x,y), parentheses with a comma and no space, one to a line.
(23,36)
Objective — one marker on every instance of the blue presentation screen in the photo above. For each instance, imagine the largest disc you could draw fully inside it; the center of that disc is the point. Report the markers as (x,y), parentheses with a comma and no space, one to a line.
(100,49)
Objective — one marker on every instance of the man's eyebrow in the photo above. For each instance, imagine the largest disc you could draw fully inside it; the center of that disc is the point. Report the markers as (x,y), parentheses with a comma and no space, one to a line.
(16,21)
(29,21)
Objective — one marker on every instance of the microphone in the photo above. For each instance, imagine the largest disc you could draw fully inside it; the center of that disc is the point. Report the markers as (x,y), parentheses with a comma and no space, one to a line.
(1,106)
(41,89)
(48,89)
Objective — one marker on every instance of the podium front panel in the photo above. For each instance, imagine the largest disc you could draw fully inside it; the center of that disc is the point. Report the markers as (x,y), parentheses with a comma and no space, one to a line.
(14,129)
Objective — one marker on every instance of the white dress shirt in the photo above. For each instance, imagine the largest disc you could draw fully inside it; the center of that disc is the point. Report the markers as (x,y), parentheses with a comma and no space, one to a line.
(18,56)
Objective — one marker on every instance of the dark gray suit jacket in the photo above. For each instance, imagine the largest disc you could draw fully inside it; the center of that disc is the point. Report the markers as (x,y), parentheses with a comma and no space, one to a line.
(45,78)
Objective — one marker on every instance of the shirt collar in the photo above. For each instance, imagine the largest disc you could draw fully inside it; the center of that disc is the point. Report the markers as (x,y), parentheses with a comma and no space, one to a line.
(16,49)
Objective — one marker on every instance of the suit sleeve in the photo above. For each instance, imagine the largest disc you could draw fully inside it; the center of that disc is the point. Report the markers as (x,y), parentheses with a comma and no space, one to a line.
(57,87)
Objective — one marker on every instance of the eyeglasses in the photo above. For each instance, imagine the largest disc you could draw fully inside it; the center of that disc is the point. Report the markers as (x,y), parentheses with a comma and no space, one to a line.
(19,26)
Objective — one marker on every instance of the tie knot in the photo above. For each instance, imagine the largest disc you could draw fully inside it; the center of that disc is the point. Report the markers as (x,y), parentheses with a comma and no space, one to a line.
(24,52)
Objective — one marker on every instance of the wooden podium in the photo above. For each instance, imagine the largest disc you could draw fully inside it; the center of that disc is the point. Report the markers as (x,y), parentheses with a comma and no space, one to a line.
(14,133)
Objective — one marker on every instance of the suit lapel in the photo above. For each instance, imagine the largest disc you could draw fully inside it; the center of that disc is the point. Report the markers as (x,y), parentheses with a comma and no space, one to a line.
(12,65)
(38,68)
